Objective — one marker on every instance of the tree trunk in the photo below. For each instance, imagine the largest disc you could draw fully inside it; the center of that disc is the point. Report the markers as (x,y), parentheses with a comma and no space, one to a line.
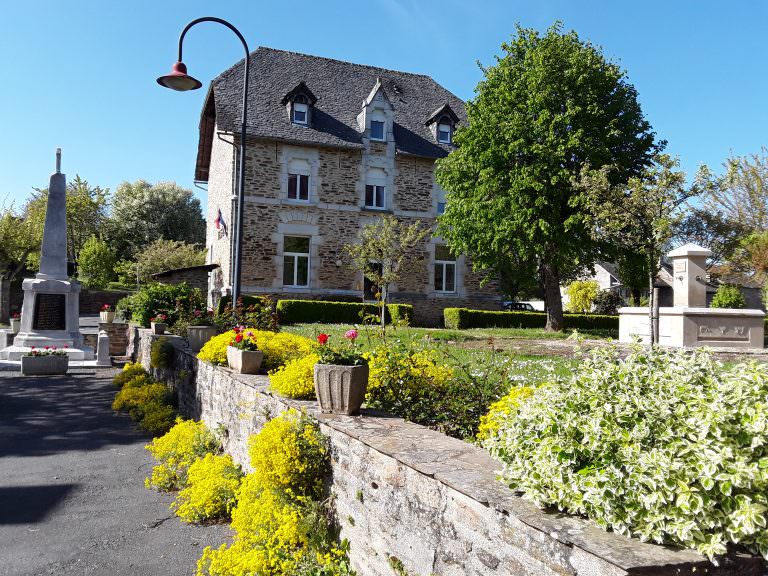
(552,297)
(656,315)
(651,300)
(5,299)
(384,291)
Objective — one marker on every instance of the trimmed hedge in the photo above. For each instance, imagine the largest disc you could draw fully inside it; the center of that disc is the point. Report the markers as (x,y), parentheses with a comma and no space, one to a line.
(462,318)
(326,312)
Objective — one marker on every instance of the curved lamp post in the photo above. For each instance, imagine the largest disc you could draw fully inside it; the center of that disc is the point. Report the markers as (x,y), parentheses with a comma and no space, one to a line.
(179,80)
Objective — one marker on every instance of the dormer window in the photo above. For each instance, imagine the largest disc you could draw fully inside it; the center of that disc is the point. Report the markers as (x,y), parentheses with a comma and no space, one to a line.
(444,132)
(300,110)
(442,122)
(299,103)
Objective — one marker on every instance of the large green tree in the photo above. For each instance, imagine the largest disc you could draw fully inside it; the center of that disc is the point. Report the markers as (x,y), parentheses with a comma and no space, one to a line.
(18,240)
(86,214)
(550,105)
(144,212)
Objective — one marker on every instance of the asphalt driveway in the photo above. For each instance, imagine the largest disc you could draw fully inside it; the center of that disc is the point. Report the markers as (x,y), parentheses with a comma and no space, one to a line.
(72,496)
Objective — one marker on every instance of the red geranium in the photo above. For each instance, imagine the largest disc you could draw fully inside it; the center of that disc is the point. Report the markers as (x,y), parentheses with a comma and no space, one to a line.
(322,338)
(239,337)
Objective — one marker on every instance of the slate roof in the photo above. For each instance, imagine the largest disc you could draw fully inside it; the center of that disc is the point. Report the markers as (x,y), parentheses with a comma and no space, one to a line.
(340,88)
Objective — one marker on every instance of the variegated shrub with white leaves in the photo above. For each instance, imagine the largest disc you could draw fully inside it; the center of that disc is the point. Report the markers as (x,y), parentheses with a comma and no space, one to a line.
(667,446)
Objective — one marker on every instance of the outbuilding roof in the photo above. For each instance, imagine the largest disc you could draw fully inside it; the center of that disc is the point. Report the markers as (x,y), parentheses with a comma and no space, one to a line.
(340,88)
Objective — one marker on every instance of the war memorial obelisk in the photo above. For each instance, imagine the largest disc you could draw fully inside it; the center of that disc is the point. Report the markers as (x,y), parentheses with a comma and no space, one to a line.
(51,309)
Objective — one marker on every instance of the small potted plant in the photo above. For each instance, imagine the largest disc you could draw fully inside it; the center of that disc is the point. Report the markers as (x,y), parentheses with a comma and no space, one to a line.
(45,361)
(201,329)
(341,376)
(243,355)
(107,314)
(15,322)
(157,323)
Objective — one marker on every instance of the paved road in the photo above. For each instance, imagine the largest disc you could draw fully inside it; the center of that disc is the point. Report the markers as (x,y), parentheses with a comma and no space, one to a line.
(72,499)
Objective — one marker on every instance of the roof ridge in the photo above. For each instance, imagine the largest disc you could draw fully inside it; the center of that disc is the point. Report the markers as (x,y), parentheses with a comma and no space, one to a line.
(364,66)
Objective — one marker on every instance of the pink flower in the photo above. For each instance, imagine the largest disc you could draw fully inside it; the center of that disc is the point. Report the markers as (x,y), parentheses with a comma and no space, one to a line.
(350,334)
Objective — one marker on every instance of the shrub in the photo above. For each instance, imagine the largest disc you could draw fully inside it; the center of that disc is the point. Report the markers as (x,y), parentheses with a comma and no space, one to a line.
(278,347)
(255,311)
(176,301)
(177,450)
(464,318)
(491,423)
(668,446)
(290,454)
(128,373)
(162,353)
(149,403)
(296,379)
(608,302)
(212,482)
(581,295)
(96,263)
(728,296)
(322,311)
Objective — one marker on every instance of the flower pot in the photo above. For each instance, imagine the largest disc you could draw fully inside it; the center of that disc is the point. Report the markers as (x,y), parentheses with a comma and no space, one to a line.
(158,327)
(244,361)
(340,389)
(199,335)
(44,365)
(15,325)
(107,316)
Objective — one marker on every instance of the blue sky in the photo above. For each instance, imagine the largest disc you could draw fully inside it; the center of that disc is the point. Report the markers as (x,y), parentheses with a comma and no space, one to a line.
(81,74)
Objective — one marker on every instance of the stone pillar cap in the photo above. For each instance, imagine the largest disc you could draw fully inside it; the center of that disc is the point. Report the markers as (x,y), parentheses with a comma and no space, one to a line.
(689,249)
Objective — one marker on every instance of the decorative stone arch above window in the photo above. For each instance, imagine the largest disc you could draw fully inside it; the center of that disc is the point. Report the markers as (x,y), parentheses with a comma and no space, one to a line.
(442,123)
(299,103)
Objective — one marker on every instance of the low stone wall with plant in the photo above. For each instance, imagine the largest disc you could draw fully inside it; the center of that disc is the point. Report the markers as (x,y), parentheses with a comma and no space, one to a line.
(412,501)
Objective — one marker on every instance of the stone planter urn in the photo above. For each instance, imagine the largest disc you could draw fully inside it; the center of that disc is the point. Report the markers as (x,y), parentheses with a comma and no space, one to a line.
(107,316)
(44,365)
(244,361)
(158,327)
(199,335)
(340,389)
(15,325)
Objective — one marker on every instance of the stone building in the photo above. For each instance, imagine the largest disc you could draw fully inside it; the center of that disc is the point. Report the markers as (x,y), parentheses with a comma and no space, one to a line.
(331,146)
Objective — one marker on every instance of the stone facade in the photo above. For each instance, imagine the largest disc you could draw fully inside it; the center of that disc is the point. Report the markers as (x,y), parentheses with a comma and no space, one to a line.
(118,337)
(432,502)
(332,217)
(192,276)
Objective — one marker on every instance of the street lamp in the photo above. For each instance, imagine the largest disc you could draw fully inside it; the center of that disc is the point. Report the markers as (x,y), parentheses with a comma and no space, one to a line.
(179,80)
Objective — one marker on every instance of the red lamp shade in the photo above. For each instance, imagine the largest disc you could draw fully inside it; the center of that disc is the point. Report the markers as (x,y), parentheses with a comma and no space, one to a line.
(179,80)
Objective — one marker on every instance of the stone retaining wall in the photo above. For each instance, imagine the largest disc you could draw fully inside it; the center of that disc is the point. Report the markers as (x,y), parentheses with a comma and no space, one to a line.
(432,502)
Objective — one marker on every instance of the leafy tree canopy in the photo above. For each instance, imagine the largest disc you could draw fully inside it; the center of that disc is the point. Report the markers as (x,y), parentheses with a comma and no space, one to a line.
(96,263)
(549,106)
(144,212)
(160,256)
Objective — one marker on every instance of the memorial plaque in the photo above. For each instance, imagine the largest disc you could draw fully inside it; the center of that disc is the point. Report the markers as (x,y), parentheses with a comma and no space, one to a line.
(50,312)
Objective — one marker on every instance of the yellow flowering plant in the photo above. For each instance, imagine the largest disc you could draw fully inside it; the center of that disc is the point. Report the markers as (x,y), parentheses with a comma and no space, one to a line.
(499,411)
(278,347)
(176,451)
(210,492)
(296,379)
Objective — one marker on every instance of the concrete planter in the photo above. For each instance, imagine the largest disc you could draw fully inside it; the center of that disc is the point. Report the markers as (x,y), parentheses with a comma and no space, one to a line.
(44,365)
(15,325)
(340,389)
(158,327)
(107,316)
(244,361)
(199,335)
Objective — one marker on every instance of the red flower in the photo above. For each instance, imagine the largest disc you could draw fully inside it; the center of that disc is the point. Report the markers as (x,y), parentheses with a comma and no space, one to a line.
(322,338)
(47,347)
(239,338)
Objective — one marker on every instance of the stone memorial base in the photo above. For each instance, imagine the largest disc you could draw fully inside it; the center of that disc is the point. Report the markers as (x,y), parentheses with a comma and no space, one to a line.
(49,317)
(683,326)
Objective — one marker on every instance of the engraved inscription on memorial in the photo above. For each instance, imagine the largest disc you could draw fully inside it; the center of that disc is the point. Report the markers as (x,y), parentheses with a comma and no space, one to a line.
(50,312)
(720,332)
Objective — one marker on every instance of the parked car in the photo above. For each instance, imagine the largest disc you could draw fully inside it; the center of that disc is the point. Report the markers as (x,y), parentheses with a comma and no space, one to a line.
(519,307)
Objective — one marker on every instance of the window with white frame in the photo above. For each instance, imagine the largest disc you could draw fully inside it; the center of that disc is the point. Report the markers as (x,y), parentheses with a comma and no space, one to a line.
(375,189)
(295,261)
(298,180)
(444,132)
(440,201)
(378,125)
(445,269)
(300,110)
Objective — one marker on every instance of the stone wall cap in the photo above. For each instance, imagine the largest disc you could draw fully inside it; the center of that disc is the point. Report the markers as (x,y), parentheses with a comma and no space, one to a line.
(689,249)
